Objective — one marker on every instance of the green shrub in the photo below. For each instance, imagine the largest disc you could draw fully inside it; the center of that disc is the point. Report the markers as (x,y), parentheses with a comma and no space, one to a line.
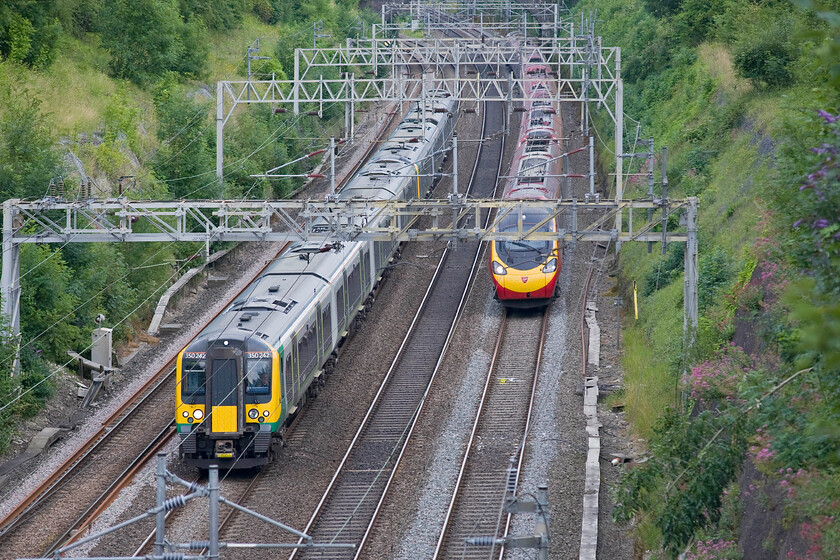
(715,270)
(147,38)
(29,32)
(766,58)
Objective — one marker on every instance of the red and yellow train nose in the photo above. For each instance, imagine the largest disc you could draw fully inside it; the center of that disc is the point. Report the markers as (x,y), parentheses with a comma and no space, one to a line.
(525,287)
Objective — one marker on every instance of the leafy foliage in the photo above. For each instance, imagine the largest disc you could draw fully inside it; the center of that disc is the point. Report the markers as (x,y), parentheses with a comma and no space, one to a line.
(29,32)
(680,488)
(185,150)
(27,159)
(147,38)
(766,58)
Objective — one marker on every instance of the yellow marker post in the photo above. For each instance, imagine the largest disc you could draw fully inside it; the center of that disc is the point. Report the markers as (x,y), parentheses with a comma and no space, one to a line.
(635,301)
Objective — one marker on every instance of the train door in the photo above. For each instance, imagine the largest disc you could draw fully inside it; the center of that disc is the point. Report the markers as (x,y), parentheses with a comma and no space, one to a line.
(307,352)
(366,279)
(326,329)
(354,287)
(290,373)
(340,305)
(225,392)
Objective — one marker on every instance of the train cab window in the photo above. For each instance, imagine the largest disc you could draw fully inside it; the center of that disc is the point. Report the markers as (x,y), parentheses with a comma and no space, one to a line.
(223,387)
(257,380)
(192,381)
(525,255)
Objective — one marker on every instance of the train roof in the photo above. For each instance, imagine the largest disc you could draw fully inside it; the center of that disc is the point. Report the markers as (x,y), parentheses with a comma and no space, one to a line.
(285,292)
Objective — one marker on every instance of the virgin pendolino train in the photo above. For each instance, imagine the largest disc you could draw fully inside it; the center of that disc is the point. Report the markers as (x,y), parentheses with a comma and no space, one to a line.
(242,379)
(525,272)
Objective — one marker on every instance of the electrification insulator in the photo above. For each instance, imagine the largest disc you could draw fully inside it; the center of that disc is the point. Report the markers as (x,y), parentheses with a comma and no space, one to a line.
(198,545)
(173,556)
(176,502)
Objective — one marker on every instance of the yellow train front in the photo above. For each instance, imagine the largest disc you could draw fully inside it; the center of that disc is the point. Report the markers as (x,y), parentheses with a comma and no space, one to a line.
(228,399)
(525,272)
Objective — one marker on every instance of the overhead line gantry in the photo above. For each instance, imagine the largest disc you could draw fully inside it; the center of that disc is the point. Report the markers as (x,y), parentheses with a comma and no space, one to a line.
(586,73)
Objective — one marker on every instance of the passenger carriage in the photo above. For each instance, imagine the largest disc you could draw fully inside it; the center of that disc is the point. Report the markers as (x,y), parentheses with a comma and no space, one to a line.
(242,379)
(525,272)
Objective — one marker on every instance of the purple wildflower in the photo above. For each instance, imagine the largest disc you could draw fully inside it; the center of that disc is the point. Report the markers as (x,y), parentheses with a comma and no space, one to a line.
(829,118)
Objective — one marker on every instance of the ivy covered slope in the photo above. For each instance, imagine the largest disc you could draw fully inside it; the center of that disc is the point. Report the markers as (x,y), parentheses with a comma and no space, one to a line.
(125,88)
(742,432)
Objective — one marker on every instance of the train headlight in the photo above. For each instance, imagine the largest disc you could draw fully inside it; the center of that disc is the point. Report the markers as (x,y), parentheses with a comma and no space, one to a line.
(550,266)
(266,413)
(498,269)
(185,414)
(198,414)
(253,413)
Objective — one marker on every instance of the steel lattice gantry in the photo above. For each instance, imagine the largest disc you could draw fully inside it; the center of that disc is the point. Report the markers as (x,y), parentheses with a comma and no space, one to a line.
(323,222)
(318,224)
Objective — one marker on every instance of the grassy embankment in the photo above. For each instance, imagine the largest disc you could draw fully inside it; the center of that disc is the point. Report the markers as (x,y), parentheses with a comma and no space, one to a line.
(733,90)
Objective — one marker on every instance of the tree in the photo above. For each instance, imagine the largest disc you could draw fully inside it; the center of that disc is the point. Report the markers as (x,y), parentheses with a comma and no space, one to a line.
(29,31)
(45,302)
(185,154)
(27,158)
(147,38)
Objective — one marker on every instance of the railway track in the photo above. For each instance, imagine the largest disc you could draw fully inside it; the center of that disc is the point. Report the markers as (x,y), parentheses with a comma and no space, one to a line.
(70,499)
(498,436)
(348,509)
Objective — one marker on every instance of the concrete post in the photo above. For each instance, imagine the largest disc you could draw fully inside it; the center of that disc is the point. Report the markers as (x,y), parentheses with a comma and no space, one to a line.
(296,86)
(213,487)
(352,107)
(619,142)
(542,525)
(101,346)
(10,282)
(332,165)
(347,105)
(160,517)
(591,165)
(455,165)
(220,125)
(691,277)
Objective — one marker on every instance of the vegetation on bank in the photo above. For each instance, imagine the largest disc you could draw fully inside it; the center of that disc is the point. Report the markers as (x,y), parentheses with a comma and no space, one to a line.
(125,88)
(746,96)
